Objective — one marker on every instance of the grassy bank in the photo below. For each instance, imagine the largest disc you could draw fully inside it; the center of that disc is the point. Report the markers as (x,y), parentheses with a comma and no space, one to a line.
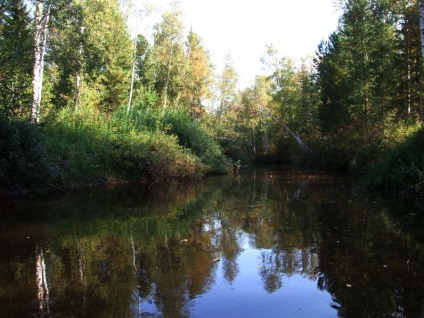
(71,149)
(401,170)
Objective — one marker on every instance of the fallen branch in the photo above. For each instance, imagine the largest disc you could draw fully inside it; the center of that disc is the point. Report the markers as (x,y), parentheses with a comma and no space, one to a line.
(53,186)
(295,136)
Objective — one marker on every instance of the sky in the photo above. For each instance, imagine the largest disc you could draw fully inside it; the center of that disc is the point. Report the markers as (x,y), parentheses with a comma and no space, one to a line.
(244,28)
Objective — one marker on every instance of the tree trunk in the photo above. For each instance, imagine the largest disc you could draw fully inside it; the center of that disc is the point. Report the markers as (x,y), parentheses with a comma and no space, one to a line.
(421,15)
(42,15)
(263,127)
(41,280)
(132,75)
(79,78)
(295,136)
(168,77)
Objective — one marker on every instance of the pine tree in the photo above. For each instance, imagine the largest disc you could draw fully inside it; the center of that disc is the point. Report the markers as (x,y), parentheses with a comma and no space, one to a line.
(109,40)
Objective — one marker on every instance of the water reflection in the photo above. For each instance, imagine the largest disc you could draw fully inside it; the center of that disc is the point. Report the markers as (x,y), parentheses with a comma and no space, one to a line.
(267,242)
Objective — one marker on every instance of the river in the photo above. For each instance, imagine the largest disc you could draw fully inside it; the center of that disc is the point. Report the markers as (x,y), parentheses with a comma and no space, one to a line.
(267,242)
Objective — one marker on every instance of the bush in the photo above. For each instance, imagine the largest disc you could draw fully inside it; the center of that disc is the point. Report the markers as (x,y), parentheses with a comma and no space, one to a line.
(23,156)
(133,146)
(402,169)
(90,147)
(193,136)
(190,134)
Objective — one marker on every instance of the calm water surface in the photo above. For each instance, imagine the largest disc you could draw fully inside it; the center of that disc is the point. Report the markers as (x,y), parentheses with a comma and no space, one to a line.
(264,243)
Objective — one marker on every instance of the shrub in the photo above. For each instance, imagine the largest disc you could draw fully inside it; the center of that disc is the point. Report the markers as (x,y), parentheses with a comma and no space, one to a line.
(402,168)
(193,136)
(23,155)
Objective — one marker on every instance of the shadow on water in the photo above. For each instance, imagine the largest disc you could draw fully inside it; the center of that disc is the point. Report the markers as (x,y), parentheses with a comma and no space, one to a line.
(274,242)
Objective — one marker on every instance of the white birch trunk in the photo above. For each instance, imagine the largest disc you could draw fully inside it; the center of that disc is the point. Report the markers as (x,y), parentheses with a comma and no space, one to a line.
(421,15)
(168,77)
(265,135)
(133,255)
(78,87)
(132,75)
(41,280)
(42,15)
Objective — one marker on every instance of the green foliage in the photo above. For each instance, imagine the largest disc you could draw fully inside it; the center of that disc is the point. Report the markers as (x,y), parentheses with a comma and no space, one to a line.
(94,149)
(188,133)
(402,169)
(90,41)
(195,137)
(16,58)
(23,155)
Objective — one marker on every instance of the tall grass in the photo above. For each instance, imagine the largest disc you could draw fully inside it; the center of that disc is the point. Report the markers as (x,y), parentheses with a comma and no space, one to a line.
(98,148)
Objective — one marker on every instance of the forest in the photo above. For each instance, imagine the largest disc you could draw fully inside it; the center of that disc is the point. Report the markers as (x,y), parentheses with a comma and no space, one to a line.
(85,101)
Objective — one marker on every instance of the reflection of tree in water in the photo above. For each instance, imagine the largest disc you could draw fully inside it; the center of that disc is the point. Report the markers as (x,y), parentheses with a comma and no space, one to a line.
(156,253)
(368,263)
(230,245)
(277,263)
(269,271)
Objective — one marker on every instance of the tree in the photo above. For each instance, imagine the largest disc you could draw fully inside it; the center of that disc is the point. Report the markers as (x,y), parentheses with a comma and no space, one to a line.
(421,15)
(227,86)
(108,54)
(67,62)
(41,22)
(165,65)
(356,67)
(198,74)
(409,59)
(16,52)
(135,13)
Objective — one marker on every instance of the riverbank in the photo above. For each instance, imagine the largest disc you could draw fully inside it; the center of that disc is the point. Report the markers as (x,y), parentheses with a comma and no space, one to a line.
(73,150)
(70,150)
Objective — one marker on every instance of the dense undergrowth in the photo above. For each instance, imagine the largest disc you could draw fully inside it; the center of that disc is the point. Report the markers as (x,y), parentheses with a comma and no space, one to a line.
(388,159)
(402,169)
(71,149)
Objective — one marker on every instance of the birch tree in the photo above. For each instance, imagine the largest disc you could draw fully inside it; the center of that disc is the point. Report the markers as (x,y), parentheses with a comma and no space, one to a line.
(421,15)
(198,75)
(227,85)
(167,59)
(41,22)
(134,13)
(41,281)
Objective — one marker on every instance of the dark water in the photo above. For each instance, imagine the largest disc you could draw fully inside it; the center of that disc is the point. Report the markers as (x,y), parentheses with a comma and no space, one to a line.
(264,243)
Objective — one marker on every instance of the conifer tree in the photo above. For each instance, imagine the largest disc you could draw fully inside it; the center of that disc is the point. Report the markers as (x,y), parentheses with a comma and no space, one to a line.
(16,55)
